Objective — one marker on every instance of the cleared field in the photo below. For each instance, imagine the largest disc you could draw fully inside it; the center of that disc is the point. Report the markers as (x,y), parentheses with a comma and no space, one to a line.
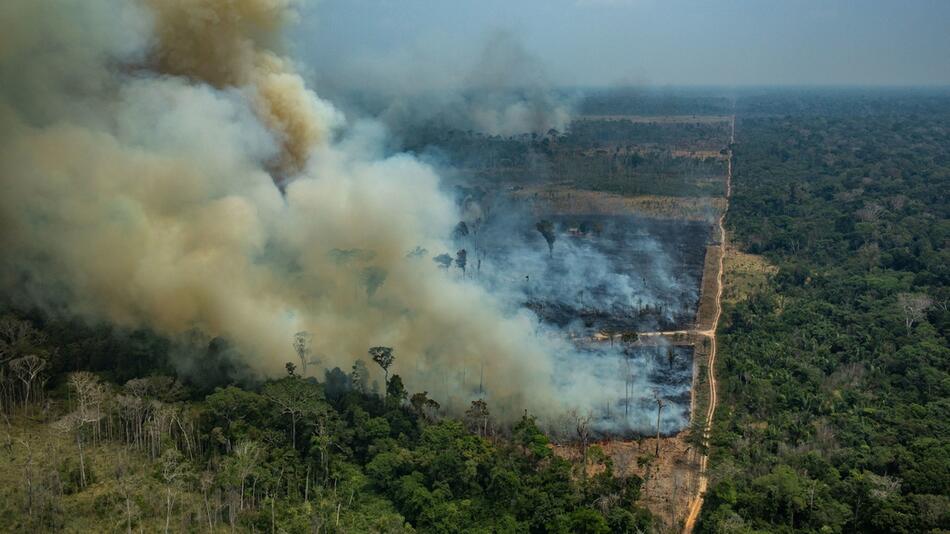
(567,201)
(706,311)
(745,274)
(669,477)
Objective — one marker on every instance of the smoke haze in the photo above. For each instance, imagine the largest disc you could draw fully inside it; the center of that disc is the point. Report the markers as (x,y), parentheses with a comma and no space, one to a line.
(596,43)
(498,89)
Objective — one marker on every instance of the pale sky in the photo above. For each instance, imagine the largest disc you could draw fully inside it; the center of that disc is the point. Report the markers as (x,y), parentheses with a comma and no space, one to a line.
(639,42)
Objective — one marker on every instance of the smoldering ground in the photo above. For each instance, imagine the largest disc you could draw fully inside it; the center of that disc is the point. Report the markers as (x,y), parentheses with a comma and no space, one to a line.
(141,151)
(605,272)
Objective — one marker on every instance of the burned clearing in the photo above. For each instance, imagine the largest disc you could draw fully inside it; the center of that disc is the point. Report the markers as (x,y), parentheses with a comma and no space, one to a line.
(599,281)
(603,273)
(642,381)
(594,270)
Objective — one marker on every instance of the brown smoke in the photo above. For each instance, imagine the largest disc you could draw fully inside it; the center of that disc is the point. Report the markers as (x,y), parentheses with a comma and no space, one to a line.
(230,43)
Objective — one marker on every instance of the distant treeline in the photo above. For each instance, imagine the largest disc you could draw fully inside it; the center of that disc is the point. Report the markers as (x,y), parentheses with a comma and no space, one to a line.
(621,157)
(642,101)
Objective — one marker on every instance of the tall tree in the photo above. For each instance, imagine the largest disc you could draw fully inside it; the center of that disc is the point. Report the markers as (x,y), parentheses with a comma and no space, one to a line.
(396,391)
(383,356)
(294,397)
(546,228)
(461,260)
(659,408)
(242,463)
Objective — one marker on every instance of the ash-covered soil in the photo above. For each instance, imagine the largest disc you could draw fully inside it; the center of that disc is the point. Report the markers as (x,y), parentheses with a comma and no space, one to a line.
(638,376)
(603,272)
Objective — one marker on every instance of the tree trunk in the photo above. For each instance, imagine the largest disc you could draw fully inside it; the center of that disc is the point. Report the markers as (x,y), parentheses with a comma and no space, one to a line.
(208,513)
(626,397)
(82,459)
(128,512)
(168,508)
(293,430)
(584,459)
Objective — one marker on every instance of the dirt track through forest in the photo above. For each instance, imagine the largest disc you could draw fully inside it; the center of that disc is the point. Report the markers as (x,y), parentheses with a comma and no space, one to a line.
(697,502)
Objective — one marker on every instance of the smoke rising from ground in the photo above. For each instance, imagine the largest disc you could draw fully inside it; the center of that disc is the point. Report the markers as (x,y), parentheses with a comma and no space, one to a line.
(139,148)
(503,89)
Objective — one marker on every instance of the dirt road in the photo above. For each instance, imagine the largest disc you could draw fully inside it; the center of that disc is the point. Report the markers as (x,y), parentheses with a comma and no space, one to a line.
(697,503)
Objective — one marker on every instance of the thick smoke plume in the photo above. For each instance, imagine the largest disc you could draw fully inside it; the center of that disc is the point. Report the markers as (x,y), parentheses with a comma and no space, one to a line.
(229,43)
(139,145)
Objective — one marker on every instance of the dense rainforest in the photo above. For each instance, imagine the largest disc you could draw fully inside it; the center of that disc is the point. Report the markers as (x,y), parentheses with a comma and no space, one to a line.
(834,387)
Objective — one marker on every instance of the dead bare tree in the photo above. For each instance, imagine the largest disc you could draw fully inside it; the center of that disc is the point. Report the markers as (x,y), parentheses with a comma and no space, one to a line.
(125,484)
(659,408)
(89,397)
(914,306)
(28,471)
(871,212)
(478,417)
(582,429)
(206,481)
(174,469)
(302,346)
(27,369)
